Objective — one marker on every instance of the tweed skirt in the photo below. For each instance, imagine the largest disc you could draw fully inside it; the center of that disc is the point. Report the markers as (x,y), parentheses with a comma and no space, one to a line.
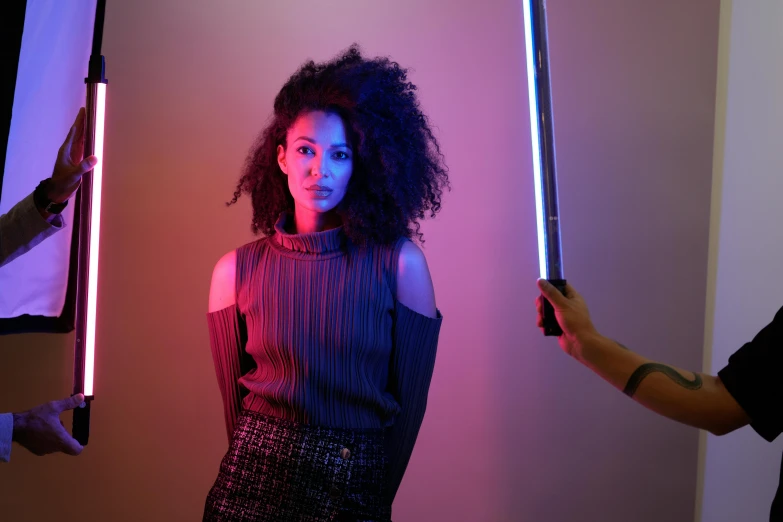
(280,470)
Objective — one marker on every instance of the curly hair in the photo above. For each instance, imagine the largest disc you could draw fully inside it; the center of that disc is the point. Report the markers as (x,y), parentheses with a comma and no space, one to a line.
(398,170)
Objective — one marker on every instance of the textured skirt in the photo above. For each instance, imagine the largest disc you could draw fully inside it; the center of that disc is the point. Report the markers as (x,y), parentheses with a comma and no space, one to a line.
(280,470)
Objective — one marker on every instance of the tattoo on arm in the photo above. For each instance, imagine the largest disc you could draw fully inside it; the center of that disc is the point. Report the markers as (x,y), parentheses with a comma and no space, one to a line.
(646,369)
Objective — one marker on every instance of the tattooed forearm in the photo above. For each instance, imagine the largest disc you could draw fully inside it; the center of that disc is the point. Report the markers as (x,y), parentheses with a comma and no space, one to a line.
(646,369)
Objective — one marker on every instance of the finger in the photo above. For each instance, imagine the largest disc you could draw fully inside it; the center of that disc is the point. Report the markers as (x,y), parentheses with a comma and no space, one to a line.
(75,129)
(69,403)
(68,444)
(570,292)
(87,165)
(554,296)
(77,145)
(78,123)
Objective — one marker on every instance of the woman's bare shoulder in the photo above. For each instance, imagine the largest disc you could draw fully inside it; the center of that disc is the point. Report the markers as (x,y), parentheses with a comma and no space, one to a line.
(222,290)
(414,283)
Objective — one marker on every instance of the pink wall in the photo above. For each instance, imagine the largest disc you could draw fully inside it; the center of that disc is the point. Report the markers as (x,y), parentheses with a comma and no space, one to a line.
(515,430)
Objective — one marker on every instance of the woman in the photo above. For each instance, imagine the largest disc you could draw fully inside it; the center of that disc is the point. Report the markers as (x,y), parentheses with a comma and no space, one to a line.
(324,331)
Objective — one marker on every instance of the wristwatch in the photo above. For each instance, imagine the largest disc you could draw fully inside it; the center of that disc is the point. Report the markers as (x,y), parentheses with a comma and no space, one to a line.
(42,201)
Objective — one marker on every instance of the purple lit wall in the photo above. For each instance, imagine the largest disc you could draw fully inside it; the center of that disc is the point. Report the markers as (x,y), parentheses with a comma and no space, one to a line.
(515,430)
(740,471)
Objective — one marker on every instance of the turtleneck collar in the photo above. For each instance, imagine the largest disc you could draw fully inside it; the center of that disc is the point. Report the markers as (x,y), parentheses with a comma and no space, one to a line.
(313,244)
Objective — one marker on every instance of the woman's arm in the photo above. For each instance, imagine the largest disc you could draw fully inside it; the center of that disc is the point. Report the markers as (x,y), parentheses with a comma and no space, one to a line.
(227,338)
(415,341)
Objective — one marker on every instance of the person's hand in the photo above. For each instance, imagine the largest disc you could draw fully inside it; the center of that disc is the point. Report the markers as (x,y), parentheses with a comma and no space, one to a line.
(40,430)
(571,313)
(70,164)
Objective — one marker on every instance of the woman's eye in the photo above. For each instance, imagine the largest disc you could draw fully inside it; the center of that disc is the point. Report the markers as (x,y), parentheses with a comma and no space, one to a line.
(341,155)
(304,150)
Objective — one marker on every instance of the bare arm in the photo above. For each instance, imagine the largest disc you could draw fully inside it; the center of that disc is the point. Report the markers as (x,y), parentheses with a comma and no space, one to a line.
(690,398)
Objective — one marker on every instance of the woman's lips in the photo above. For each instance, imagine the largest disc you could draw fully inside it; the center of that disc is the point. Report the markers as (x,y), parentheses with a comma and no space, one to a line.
(319,191)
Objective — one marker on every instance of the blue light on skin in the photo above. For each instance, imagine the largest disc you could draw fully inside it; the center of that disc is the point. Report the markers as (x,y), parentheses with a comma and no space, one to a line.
(318,161)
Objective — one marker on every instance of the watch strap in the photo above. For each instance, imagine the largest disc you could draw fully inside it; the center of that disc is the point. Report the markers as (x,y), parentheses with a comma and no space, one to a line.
(42,201)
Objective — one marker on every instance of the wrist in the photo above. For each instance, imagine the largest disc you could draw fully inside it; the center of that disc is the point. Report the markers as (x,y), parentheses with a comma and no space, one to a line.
(584,344)
(58,193)
(49,198)
(19,422)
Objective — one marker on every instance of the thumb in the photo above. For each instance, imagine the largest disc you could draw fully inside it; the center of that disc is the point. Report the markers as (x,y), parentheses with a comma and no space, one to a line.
(69,403)
(554,296)
(88,164)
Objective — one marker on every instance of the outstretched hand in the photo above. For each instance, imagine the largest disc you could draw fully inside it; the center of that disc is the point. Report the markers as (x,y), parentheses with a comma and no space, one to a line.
(40,430)
(71,164)
(570,311)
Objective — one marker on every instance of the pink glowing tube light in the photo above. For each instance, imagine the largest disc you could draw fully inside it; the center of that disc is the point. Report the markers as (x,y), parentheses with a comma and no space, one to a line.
(89,230)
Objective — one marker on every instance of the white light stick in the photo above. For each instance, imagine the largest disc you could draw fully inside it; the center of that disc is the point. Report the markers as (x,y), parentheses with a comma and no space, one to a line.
(542,132)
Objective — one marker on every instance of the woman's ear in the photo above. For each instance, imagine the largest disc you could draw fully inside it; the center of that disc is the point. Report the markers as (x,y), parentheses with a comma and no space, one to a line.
(281,159)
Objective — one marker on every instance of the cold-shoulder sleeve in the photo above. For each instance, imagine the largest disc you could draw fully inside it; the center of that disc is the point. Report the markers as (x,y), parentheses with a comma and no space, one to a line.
(415,342)
(227,339)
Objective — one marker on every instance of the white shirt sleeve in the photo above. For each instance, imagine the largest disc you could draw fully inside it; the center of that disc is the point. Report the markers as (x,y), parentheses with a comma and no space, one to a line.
(6,434)
(22,228)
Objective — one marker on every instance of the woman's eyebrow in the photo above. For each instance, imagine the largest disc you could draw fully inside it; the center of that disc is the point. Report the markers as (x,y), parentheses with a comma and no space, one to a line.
(334,145)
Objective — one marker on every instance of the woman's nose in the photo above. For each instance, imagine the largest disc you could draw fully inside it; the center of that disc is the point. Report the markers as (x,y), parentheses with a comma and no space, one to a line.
(320,168)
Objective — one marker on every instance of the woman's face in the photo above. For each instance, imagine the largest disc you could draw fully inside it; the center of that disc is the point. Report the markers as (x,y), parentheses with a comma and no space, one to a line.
(318,161)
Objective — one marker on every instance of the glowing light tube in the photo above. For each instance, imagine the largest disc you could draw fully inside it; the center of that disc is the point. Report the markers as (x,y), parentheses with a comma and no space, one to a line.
(88,223)
(95,236)
(536,139)
(542,134)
